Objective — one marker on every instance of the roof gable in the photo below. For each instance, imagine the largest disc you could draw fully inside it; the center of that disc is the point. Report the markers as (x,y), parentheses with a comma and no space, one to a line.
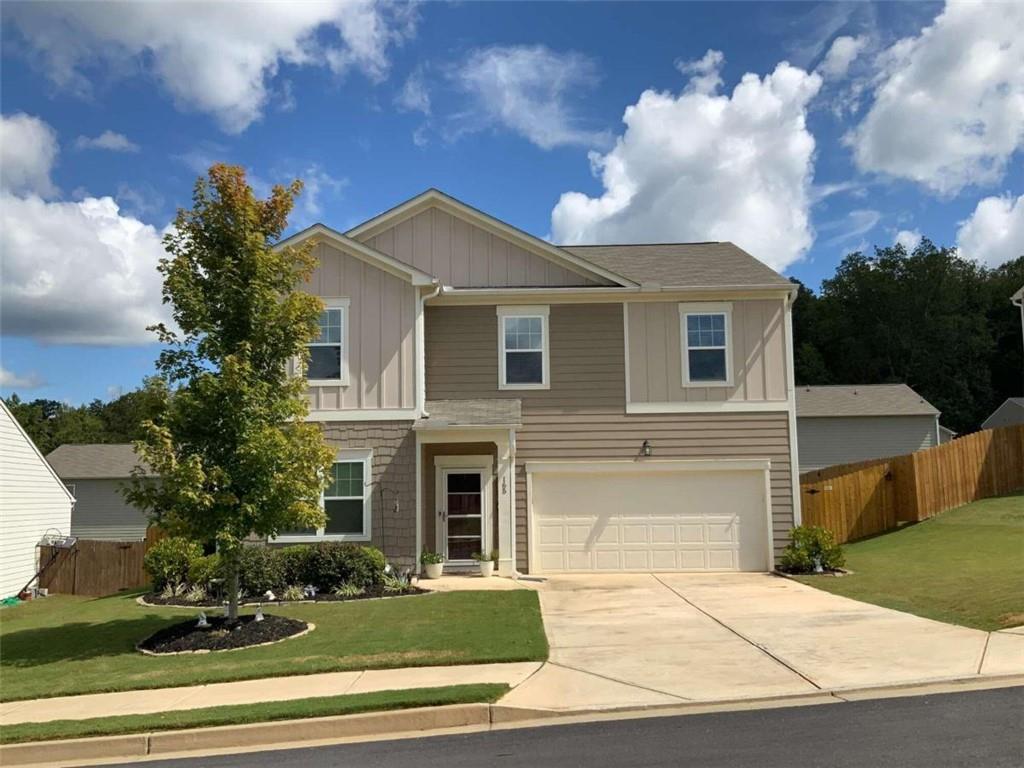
(6,413)
(322,233)
(407,233)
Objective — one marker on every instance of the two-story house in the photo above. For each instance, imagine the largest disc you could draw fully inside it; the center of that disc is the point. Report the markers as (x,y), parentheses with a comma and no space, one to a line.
(578,408)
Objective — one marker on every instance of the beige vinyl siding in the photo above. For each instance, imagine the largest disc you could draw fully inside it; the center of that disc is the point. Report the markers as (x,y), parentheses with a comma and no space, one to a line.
(582,415)
(758,354)
(381,334)
(101,512)
(825,441)
(32,502)
(464,255)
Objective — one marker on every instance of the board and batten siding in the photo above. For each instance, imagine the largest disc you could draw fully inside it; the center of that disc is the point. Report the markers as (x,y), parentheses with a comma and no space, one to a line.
(582,416)
(828,440)
(463,255)
(381,334)
(33,501)
(102,513)
(758,354)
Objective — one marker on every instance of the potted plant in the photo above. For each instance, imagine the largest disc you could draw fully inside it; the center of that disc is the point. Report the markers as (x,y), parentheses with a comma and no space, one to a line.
(433,564)
(487,562)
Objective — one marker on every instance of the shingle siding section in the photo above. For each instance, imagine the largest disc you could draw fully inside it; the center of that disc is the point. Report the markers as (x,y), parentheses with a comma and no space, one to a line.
(394,481)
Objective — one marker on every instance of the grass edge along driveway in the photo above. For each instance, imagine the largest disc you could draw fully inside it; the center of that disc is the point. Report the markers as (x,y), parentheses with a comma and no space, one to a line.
(964,566)
(64,645)
(239,714)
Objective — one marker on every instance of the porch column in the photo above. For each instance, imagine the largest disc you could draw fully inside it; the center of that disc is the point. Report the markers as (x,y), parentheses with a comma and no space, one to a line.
(506,493)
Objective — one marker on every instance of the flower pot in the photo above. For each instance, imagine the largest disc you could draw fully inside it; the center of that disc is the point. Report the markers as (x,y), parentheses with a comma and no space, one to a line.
(433,570)
(486,568)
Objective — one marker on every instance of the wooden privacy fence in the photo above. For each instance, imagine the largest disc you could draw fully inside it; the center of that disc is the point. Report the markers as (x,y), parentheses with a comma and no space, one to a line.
(858,500)
(97,568)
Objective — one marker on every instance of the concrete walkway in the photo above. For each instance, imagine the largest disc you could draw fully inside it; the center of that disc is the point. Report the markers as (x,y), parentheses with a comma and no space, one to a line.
(254,691)
(647,640)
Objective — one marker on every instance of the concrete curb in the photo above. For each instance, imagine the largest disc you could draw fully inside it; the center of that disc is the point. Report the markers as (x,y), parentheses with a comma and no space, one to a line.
(426,721)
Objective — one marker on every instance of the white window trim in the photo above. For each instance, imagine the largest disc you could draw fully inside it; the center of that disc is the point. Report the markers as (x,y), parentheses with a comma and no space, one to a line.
(525,310)
(705,308)
(343,304)
(365,455)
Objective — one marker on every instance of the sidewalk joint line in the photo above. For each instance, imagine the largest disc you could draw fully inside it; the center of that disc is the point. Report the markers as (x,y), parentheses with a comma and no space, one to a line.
(620,682)
(984,652)
(740,635)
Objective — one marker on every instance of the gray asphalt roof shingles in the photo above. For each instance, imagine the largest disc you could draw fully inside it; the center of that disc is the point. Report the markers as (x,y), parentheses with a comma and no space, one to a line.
(861,400)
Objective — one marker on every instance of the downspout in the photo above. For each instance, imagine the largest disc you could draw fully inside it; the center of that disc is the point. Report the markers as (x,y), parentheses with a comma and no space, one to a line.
(1020,304)
(794,448)
(421,349)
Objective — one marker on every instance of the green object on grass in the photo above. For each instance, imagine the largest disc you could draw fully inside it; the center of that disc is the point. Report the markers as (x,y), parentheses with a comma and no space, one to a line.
(66,645)
(965,566)
(326,706)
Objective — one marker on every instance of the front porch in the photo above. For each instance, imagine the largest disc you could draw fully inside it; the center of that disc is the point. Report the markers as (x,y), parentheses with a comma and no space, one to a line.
(465,489)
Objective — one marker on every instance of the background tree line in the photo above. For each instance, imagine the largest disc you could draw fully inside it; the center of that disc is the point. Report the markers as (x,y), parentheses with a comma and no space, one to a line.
(930,319)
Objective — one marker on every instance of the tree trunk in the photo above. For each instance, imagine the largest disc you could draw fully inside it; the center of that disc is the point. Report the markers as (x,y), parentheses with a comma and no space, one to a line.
(233,591)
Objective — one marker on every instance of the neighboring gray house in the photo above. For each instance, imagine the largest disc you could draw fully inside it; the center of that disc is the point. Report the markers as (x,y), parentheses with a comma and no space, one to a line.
(1009,413)
(846,424)
(94,474)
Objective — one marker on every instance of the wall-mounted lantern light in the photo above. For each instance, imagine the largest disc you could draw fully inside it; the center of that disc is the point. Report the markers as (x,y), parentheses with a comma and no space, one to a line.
(645,449)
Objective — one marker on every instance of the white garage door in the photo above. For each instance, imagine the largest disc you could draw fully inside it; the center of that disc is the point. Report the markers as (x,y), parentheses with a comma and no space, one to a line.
(669,516)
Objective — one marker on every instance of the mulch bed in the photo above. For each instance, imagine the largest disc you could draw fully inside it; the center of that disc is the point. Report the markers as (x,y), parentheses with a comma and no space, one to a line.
(220,635)
(155,598)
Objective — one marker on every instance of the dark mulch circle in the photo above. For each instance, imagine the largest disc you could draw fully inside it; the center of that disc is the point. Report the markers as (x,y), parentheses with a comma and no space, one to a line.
(155,598)
(220,635)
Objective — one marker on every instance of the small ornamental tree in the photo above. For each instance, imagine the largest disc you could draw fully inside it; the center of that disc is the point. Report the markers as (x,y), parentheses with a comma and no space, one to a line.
(233,452)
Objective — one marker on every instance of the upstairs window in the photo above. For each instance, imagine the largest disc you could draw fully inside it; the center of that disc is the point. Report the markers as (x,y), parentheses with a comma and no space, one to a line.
(705,331)
(523,348)
(328,353)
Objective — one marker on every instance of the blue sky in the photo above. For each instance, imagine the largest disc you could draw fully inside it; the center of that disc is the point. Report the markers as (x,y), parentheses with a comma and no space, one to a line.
(890,120)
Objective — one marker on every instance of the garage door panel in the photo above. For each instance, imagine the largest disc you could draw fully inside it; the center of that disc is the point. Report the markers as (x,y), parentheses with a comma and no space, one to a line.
(650,521)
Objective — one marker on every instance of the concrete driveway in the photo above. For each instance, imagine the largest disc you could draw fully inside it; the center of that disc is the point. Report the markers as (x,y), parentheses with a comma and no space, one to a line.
(638,640)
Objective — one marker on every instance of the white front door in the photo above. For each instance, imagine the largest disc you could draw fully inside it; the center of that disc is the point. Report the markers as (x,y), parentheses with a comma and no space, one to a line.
(462,512)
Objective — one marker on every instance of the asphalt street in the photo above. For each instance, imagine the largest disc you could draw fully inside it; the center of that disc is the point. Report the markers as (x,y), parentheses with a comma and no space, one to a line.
(982,728)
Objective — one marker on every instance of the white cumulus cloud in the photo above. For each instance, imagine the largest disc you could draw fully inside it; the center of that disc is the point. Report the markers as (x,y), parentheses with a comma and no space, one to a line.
(908,238)
(528,90)
(217,57)
(108,140)
(28,151)
(948,106)
(14,380)
(841,55)
(994,232)
(78,272)
(702,165)
(414,95)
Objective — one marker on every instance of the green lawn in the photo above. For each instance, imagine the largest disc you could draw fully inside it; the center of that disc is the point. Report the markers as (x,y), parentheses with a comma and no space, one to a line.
(965,566)
(349,704)
(66,645)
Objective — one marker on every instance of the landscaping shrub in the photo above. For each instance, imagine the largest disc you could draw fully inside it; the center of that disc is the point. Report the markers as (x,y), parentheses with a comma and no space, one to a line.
(203,570)
(811,546)
(333,564)
(259,570)
(294,565)
(168,561)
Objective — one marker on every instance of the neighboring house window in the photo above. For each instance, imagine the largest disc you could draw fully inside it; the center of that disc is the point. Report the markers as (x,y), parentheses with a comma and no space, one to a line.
(345,501)
(328,353)
(705,331)
(523,361)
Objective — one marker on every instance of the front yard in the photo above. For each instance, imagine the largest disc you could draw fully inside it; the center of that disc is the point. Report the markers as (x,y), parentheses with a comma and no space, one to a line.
(965,566)
(66,645)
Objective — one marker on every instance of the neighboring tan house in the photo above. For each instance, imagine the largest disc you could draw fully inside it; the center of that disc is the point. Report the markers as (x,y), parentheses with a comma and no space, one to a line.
(577,408)
(95,473)
(847,424)
(1009,413)
(33,503)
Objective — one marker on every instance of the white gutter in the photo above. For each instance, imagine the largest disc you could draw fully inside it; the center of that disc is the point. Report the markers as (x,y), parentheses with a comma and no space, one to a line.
(512,491)
(1018,301)
(421,349)
(613,290)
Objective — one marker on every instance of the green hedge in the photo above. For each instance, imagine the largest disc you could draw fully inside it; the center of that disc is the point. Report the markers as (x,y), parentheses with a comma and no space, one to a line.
(325,565)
